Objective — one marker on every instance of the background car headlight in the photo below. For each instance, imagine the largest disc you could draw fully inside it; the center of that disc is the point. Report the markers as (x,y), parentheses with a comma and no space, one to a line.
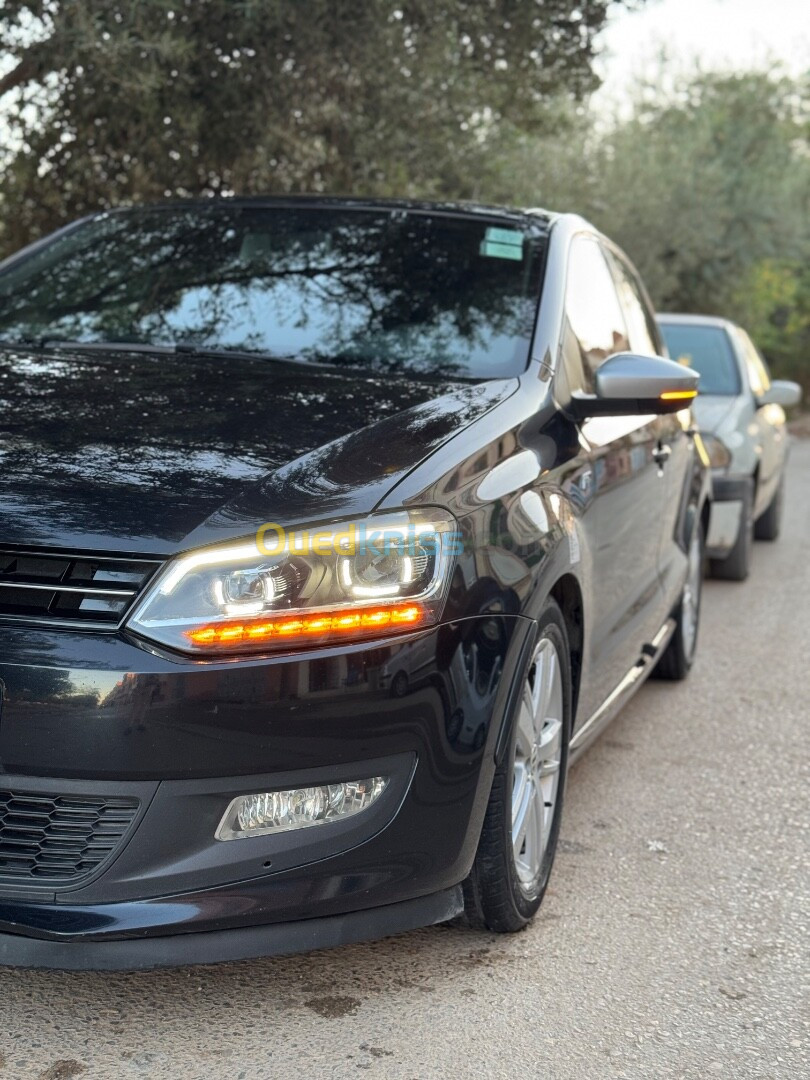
(719,453)
(348,580)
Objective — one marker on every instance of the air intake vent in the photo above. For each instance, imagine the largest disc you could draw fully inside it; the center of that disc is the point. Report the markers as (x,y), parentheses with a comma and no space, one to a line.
(59,839)
(93,591)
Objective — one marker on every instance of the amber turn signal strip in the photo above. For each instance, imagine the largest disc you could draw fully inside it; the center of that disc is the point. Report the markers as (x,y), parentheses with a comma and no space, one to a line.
(678,395)
(324,624)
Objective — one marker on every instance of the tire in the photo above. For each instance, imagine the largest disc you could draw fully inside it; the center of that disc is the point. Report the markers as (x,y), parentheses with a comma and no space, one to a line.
(678,657)
(507,881)
(399,684)
(736,566)
(768,525)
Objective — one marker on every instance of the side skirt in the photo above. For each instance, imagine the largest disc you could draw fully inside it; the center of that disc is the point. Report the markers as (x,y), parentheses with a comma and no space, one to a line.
(588,731)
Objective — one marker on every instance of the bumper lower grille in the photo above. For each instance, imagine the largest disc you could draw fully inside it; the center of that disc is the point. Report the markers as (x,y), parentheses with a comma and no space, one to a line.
(59,589)
(59,839)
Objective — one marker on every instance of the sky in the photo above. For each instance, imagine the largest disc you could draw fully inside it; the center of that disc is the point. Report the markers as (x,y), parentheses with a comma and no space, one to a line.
(717,33)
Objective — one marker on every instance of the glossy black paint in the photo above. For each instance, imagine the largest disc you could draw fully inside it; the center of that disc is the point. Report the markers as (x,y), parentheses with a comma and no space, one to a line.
(547,505)
(133,452)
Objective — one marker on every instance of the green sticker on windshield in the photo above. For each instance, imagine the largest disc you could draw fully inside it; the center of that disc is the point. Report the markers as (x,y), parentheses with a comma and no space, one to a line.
(502,244)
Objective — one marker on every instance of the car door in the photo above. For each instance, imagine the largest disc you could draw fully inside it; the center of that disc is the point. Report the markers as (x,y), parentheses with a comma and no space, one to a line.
(622,522)
(675,448)
(768,426)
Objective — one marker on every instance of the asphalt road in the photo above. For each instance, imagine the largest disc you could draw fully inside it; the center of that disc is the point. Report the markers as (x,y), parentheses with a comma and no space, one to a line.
(673,941)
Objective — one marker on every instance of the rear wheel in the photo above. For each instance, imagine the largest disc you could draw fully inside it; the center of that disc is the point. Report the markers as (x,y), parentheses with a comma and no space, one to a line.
(769,523)
(519,835)
(676,661)
(737,564)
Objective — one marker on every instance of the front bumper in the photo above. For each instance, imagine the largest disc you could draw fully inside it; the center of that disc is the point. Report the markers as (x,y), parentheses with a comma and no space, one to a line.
(71,953)
(728,494)
(86,715)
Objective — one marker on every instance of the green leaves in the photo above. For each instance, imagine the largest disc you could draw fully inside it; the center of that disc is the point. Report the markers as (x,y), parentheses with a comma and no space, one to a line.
(707,187)
(111,102)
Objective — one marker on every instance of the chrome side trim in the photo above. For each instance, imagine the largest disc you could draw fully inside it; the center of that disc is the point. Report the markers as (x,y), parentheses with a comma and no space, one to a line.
(623,692)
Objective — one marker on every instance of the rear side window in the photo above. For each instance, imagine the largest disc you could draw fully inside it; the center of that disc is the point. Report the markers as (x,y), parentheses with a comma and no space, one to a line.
(709,351)
(759,378)
(640,321)
(595,317)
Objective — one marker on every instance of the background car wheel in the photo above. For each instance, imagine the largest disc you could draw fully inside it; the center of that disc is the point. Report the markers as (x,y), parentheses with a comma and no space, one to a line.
(737,564)
(399,684)
(519,835)
(676,661)
(768,524)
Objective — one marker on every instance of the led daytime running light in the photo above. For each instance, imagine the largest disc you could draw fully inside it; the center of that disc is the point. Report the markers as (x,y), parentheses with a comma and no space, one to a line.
(323,624)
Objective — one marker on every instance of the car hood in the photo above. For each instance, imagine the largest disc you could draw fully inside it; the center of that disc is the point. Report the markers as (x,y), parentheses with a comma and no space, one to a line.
(153,453)
(711,410)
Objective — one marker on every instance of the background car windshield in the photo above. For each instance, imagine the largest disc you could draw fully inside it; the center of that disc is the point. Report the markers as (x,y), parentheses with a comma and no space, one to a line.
(383,290)
(708,350)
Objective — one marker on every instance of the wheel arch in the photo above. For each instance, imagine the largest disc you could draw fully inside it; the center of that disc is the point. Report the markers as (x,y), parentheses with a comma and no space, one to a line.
(755,478)
(567,593)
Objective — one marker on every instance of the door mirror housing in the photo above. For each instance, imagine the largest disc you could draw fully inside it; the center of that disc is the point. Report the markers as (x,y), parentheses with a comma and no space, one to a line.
(628,384)
(781,392)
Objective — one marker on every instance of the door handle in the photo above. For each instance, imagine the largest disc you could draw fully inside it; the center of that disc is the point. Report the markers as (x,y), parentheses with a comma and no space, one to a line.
(661,456)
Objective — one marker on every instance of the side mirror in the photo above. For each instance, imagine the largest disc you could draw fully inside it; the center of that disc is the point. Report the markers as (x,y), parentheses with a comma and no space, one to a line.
(628,384)
(781,392)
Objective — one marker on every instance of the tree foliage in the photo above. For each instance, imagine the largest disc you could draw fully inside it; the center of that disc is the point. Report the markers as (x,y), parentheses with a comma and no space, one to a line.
(707,187)
(773,301)
(109,101)
(706,184)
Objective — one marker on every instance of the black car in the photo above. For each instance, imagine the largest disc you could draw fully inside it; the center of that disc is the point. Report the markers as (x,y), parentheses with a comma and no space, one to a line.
(331,532)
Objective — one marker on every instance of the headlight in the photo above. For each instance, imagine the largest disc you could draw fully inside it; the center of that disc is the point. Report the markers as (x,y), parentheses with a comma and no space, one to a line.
(313,585)
(719,453)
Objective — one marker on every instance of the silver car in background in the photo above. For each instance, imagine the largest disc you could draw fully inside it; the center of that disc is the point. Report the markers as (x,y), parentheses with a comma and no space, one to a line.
(740,411)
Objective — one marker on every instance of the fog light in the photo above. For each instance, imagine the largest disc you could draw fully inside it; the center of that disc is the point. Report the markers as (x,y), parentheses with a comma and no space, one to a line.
(298,808)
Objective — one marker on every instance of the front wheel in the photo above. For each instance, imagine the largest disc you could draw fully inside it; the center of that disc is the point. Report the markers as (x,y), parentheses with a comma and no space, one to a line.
(736,566)
(522,822)
(768,525)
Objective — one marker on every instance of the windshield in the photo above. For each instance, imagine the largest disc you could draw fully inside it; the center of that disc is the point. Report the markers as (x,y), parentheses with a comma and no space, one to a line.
(382,290)
(708,350)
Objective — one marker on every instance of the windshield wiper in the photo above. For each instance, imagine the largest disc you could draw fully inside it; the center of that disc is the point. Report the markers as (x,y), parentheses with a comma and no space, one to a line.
(341,365)
(21,343)
(180,348)
(185,348)
(47,342)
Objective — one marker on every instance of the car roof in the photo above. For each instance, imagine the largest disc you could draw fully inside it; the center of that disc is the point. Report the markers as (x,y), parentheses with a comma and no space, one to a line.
(684,319)
(533,216)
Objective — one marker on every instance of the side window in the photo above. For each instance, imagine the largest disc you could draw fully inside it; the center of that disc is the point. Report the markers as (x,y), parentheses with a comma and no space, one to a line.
(592,307)
(758,376)
(641,326)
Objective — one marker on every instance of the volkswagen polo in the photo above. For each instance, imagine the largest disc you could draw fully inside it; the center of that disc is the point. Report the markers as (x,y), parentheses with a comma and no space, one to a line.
(332,531)
(741,415)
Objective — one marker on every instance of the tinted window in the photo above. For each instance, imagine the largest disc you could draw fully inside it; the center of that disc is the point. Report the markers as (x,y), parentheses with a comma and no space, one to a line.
(709,351)
(592,305)
(385,290)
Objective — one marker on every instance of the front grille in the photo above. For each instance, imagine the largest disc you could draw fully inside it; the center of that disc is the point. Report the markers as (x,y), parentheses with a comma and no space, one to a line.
(59,839)
(68,589)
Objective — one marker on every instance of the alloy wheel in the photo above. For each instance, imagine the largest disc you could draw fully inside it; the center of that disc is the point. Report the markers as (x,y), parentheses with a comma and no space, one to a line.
(536,767)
